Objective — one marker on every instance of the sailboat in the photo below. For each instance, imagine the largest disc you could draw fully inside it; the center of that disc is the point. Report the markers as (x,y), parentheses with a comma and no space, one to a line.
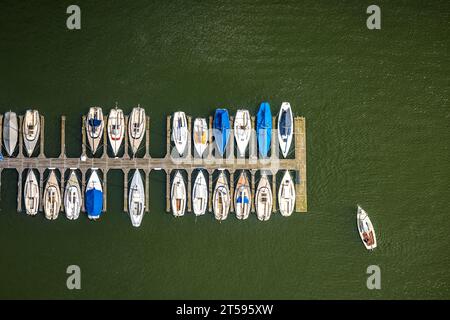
(178,193)
(94,196)
(116,130)
(285,128)
(221,129)
(10,132)
(286,195)
(31,127)
(31,193)
(200,136)
(242,197)
(52,197)
(242,130)
(180,131)
(221,198)
(72,197)
(94,127)
(136,199)
(366,229)
(263,199)
(136,128)
(264,128)
(200,194)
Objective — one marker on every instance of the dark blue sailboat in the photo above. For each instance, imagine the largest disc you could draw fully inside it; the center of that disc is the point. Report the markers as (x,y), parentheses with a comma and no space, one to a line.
(221,129)
(264,128)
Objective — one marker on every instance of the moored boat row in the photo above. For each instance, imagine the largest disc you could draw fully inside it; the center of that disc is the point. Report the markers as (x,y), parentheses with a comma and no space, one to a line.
(30,131)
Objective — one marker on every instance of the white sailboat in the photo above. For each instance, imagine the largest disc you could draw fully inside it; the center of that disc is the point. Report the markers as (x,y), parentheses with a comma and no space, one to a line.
(72,197)
(136,199)
(242,197)
(242,130)
(178,193)
(263,199)
(31,193)
(94,128)
(116,129)
(366,229)
(136,128)
(286,195)
(10,132)
(179,131)
(285,128)
(52,197)
(31,128)
(221,198)
(200,194)
(200,136)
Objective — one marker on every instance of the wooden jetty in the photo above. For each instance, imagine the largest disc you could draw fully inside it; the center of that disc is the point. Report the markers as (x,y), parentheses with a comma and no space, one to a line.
(168,163)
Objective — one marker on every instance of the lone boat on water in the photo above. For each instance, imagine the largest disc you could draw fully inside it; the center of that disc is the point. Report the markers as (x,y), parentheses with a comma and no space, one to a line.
(366,229)
(242,197)
(178,193)
(94,196)
(31,193)
(264,128)
(200,194)
(221,198)
(10,132)
(221,129)
(263,199)
(31,128)
(52,197)
(136,199)
(200,136)
(286,195)
(180,131)
(115,128)
(72,197)
(285,128)
(94,127)
(136,128)
(242,130)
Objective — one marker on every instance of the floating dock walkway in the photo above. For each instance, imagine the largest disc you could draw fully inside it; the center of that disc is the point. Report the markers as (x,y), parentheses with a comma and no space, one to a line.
(104,163)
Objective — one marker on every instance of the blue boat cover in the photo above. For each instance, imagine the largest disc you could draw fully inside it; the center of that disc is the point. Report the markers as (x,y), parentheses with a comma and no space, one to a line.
(94,202)
(240,200)
(1,157)
(285,124)
(221,126)
(264,128)
(95,122)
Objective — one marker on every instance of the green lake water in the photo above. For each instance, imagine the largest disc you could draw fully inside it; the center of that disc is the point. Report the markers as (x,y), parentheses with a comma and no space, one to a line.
(377,113)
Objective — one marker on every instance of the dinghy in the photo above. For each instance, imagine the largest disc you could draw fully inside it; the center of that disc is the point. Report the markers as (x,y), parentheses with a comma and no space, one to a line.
(115,129)
(136,199)
(10,132)
(242,130)
(221,198)
(94,196)
(242,198)
(264,128)
(31,127)
(178,195)
(286,195)
(94,127)
(136,128)
(285,128)
(52,197)
(200,194)
(180,131)
(221,129)
(263,199)
(200,136)
(72,197)
(366,230)
(31,193)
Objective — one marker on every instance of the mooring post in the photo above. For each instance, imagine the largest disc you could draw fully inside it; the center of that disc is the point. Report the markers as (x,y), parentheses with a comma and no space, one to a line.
(125,126)
(19,190)
(167,190)
(274,141)
(20,154)
(189,191)
(105,138)
(232,190)
(0,172)
(168,136)
(230,154)
(210,137)
(41,190)
(1,132)
(274,192)
(83,188)
(253,191)
(42,141)
(210,195)
(189,142)
(63,137)
(62,171)
(147,138)
(105,188)
(125,190)
(147,190)
(83,136)
(300,158)
(253,149)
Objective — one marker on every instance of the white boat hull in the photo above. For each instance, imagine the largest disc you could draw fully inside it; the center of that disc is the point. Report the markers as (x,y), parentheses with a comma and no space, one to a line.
(221,198)
(52,197)
(94,133)
(242,198)
(73,199)
(31,128)
(286,195)
(200,194)
(242,131)
(180,132)
(263,199)
(116,129)
(31,193)
(136,199)
(366,229)
(200,136)
(178,195)
(285,140)
(136,128)
(10,132)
